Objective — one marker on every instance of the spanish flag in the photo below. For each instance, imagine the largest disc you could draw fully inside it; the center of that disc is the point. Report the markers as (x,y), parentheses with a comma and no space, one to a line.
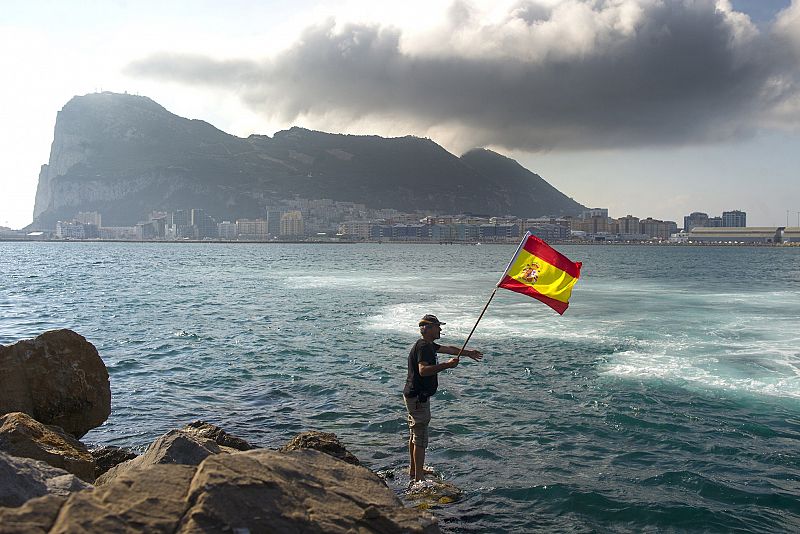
(541,272)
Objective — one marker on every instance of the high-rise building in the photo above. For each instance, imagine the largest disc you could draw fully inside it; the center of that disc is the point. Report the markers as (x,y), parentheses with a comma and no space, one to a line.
(227,230)
(204,226)
(180,218)
(734,219)
(695,219)
(628,225)
(252,229)
(358,229)
(292,223)
(179,225)
(595,212)
(274,221)
(596,224)
(657,229)
(155,228)
(70,230)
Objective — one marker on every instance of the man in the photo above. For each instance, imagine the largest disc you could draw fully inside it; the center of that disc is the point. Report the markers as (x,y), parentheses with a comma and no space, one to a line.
(421,384)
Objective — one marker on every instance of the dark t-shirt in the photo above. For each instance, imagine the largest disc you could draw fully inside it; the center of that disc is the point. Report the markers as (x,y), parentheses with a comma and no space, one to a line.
(422,351)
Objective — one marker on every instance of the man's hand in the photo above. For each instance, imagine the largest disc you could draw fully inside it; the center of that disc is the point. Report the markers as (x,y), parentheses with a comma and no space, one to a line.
(474,354)
(452,362)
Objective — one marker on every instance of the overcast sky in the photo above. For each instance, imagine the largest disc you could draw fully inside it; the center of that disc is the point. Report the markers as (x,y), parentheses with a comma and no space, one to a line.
(647,107)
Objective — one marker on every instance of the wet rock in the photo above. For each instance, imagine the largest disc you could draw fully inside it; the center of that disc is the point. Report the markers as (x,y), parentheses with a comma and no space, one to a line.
(321,441)
(429,493)
(174,447)
(58,379)
(215,433)
(23,436)
(386,474)
(22,479)
(109,456)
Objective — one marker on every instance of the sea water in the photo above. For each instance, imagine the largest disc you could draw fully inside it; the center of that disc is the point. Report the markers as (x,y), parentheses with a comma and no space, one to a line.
(667,398)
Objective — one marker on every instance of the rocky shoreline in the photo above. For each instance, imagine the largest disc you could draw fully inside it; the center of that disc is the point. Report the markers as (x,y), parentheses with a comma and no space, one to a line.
(199,478)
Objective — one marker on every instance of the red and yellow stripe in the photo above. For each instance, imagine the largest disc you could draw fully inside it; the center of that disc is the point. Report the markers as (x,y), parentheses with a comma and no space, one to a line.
(555,274)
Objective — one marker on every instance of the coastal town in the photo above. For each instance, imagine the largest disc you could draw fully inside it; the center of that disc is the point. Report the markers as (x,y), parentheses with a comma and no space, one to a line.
(308,220)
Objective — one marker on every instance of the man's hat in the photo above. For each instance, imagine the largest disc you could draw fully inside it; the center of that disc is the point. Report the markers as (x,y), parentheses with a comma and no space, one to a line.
(429,319)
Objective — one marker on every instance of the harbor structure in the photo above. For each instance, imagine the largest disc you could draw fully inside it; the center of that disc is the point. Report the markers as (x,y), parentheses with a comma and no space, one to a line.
(752,234)
(791,234)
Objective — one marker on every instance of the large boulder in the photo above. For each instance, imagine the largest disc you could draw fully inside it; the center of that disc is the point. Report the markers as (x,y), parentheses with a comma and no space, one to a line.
(303,491)
(22,479)
(174,447)
(254,491)
(144,501)
(326,442)
(21,435)
(140,500)
(189,445)
(57,378)
(36,516)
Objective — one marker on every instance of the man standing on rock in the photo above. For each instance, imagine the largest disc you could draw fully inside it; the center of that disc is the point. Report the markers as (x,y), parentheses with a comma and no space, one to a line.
(421,384)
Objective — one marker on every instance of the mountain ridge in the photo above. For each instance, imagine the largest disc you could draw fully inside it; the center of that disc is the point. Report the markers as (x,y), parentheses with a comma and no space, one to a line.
(126,155)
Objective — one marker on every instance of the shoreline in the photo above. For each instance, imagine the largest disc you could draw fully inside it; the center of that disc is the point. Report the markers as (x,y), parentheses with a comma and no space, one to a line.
(344,242)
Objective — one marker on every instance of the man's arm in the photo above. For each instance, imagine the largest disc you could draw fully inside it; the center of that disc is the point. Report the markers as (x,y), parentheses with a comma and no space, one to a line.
(449,349)
(429,369)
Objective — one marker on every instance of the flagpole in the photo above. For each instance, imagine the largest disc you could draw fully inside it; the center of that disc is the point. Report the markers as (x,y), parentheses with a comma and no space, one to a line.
(476,323)
(514,257)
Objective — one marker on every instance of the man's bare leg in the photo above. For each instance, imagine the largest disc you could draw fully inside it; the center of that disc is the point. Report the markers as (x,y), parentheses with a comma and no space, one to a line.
(411,471)
(418,463)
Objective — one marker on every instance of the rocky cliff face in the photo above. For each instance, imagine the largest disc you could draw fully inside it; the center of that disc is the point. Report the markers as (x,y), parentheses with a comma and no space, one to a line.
(126,156)
(65,152)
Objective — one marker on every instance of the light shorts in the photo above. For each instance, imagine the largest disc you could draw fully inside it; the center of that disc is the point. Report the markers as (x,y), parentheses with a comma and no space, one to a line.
(419,415)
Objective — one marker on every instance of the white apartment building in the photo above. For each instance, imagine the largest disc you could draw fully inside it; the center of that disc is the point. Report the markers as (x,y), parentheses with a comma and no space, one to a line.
(359,229)
(252,228)
(70,230)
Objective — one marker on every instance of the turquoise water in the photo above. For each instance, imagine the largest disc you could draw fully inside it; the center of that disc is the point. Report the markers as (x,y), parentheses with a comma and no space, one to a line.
(667,398)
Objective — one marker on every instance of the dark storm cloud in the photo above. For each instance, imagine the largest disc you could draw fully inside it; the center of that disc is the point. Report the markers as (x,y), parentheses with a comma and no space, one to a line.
(682,73)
